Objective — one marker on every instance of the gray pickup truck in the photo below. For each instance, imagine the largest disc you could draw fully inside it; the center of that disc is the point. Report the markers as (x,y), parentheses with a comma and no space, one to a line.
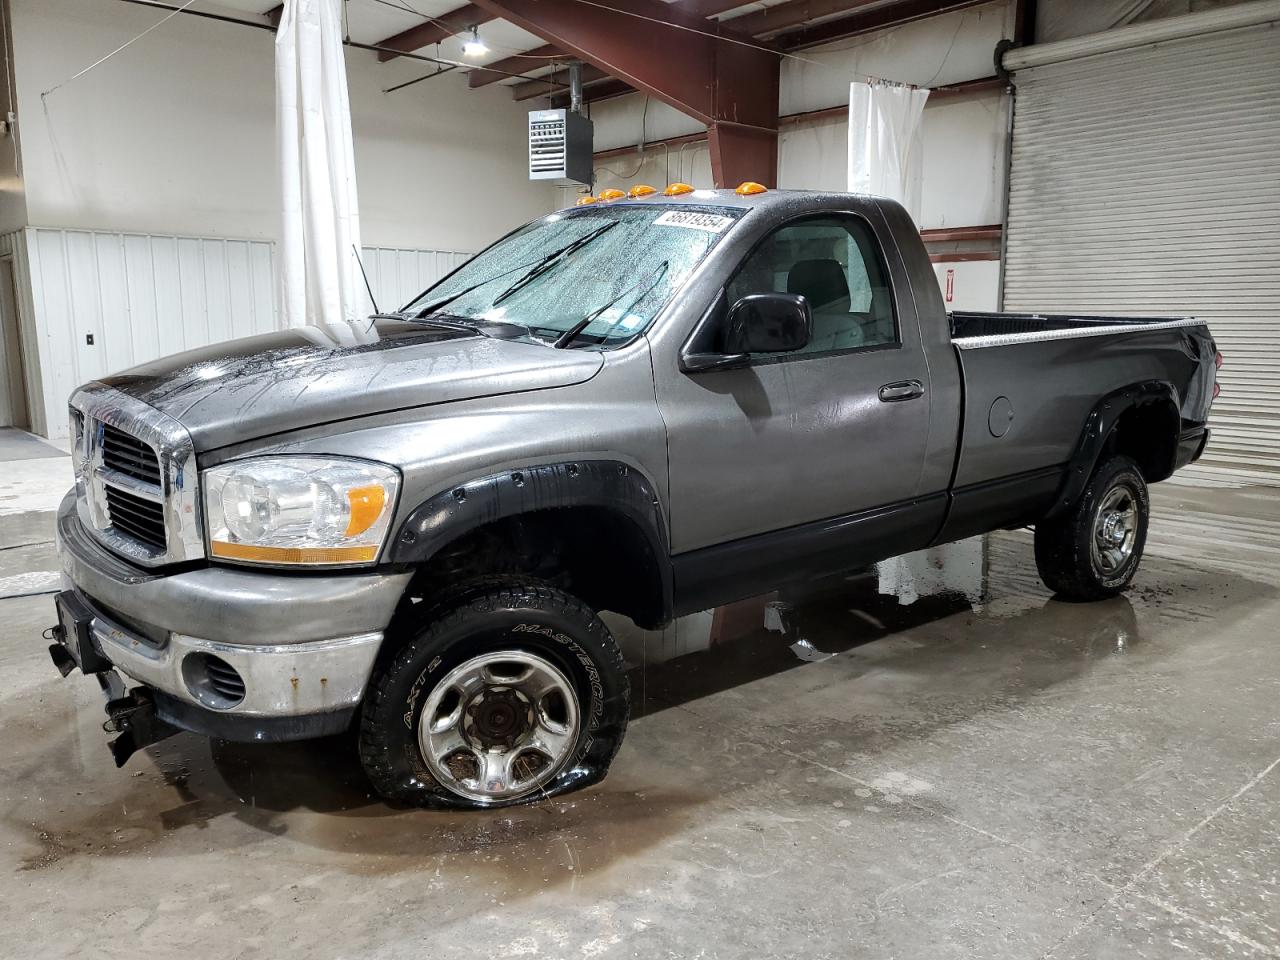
(650,406)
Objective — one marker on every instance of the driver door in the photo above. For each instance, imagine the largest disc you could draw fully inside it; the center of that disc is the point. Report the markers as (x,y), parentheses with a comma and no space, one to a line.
(801,457)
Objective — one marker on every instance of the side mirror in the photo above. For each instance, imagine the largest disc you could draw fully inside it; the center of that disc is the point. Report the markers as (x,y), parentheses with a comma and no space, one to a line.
(768,323)
(758,323)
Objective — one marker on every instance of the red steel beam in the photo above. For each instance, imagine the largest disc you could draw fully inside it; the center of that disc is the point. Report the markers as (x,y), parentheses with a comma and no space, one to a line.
(540,56)
(520,63)
(700,68)
(876,18)
(433,31)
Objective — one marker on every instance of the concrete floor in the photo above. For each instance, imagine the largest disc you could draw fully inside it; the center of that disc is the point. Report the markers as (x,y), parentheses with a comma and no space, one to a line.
(993,776)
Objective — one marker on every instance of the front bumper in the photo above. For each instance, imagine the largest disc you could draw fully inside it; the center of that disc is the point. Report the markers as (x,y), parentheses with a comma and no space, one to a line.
(303,645)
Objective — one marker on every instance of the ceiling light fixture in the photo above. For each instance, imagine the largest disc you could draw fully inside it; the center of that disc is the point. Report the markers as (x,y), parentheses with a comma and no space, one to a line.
(474,46)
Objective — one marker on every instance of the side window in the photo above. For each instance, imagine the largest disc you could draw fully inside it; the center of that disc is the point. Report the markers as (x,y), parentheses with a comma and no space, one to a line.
(835,263)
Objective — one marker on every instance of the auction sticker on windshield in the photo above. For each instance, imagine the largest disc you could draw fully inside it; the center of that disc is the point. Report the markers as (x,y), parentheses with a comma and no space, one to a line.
(692,220)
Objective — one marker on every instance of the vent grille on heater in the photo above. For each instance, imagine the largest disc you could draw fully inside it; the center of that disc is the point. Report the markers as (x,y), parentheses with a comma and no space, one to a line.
(546,147)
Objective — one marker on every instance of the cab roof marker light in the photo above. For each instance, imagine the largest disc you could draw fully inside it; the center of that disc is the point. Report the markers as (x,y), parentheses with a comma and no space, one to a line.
(610,194)
(749,188)
(677,189)
(640,190)
(585,201)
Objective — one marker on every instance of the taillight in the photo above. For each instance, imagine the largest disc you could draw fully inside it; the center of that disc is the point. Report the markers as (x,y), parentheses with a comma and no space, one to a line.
(1217,365)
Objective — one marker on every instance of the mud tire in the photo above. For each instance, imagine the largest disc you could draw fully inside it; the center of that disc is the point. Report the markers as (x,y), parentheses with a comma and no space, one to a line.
(492,614)
(1064,556)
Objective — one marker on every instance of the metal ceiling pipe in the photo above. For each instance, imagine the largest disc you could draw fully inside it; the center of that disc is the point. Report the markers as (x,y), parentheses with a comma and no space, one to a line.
(575,86)
(1140,34)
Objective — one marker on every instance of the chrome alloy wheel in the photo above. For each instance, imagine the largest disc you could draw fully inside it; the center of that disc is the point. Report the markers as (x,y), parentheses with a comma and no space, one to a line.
(499,726)
(1115,529)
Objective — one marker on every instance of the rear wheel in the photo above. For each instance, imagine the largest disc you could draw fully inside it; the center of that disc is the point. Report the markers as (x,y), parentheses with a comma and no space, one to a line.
(511,691)
(1092,551)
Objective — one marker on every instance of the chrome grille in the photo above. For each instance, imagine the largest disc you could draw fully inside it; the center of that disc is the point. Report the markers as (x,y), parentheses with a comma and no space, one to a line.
(136,477)
(135,516)
(129,456)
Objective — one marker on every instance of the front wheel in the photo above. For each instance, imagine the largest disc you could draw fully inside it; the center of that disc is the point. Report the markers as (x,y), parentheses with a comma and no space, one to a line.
(511,692)
(1092,551)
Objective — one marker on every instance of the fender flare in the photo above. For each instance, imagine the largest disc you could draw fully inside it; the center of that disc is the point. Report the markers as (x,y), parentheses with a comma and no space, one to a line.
(1097,430)
(606,484)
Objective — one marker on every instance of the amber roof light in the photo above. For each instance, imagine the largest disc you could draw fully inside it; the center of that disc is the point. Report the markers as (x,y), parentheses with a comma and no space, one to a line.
(640,190)
(749,187)
(610,194)
(676,189)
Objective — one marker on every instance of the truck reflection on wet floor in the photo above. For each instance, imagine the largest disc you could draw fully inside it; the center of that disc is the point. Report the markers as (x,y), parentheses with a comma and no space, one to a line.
(928,604)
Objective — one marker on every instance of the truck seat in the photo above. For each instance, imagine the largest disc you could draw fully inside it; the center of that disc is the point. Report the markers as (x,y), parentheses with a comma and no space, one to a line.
(823,284)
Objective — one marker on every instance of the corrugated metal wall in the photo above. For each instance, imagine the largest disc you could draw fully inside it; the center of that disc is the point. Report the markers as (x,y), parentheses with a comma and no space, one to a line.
(399,274)
(142,296)
(138,297)
(1148,181)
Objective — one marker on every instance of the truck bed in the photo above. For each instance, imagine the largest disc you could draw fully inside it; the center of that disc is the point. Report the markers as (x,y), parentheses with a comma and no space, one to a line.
(1030,382)
(970,326)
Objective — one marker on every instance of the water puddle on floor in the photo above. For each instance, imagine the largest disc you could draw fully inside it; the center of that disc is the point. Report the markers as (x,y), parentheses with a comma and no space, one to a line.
(974,607)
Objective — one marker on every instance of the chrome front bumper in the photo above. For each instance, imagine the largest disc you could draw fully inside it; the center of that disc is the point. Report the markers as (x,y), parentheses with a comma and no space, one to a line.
(302,644)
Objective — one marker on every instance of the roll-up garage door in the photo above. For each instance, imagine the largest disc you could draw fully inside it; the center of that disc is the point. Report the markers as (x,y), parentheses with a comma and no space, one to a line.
(1147,180)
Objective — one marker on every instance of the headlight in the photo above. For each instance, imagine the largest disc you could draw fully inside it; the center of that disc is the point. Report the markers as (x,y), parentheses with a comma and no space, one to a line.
(303,510)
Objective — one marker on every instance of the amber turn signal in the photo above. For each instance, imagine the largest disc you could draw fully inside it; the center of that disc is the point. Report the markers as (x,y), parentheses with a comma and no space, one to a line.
(749,187)
(310,555)
(366,505)
(676,189)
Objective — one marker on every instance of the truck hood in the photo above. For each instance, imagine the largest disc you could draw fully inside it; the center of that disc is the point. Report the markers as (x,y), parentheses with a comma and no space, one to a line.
(259,386)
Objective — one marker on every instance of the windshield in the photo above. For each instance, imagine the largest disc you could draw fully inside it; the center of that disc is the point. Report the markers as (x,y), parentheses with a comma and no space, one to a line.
(612,267)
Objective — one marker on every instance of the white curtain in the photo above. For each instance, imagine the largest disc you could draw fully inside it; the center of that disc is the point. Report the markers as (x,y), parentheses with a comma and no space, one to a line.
(321,283)
(886,142)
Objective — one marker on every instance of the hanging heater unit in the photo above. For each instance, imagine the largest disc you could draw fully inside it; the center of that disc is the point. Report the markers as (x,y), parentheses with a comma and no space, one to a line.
(559,146)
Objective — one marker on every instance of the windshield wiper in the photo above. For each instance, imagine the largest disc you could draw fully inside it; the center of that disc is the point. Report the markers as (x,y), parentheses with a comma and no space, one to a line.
(551,259)
(572,333)
(532,272)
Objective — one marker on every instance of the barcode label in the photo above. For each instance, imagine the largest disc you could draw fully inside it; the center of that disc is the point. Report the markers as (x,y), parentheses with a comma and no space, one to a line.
(692,220)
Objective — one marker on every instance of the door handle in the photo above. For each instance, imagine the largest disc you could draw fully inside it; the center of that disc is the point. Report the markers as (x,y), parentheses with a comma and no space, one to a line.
(901,390)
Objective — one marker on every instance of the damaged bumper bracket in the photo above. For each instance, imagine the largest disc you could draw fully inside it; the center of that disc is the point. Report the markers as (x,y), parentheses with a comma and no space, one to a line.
(134,717)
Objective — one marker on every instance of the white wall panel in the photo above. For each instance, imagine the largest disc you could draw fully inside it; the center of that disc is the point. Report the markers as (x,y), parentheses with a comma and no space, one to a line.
(398,275)
(144,296)
(139,297)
